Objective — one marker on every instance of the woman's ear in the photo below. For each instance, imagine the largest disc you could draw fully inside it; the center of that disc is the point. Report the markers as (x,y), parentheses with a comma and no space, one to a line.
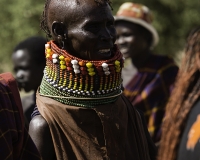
(59,33)
(58,29)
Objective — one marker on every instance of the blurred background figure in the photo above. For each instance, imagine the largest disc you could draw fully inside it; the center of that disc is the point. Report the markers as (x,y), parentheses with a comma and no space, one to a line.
(149,89)
(181,126)
(29,60)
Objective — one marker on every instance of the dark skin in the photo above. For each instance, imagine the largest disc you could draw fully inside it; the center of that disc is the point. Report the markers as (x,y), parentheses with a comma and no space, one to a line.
(133,41)
(87,33)
(29,74)
(26,69)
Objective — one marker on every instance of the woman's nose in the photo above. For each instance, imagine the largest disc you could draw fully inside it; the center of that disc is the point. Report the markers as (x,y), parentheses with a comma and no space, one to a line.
(19,74)
(120,40)
(106,35)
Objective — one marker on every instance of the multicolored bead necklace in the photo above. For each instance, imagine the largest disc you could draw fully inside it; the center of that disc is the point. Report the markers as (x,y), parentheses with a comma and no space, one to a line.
(73,81)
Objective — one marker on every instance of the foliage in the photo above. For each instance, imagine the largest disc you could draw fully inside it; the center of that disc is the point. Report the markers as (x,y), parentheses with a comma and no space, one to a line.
(19,20)
(172,18)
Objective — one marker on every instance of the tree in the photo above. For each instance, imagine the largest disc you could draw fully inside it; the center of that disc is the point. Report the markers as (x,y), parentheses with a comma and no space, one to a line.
(19,20)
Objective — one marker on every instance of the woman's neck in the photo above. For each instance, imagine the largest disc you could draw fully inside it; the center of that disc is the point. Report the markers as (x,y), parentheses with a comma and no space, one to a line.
(69,76)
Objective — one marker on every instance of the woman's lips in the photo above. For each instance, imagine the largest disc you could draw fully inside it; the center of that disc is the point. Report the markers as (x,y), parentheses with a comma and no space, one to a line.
(105,52)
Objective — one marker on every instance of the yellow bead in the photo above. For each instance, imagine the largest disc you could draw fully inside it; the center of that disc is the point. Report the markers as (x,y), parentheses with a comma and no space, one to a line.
(62,62)
(117,63)
(91,73)
(61,57)
(49,51)
(90,69)
(117,70)
(48,55)
(89,64)
(63,67)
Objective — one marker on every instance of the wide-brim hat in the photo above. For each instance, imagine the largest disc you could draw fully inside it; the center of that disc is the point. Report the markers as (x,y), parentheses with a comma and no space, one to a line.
(139,14)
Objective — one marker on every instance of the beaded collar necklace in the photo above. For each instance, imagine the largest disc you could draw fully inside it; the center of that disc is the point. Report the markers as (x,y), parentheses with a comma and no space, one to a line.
(73,81)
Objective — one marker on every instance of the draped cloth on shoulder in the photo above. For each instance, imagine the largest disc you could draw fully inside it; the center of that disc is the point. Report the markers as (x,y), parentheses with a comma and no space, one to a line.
(113,131)
(15,142)
(150,89)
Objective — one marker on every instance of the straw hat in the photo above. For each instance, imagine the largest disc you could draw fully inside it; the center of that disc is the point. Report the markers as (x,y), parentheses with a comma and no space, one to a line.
(139,14)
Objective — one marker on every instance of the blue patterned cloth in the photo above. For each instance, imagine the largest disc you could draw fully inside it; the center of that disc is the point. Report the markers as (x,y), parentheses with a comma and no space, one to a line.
(150,89)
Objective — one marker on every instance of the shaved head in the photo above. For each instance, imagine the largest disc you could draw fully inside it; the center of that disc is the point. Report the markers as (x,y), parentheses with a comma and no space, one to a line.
(84,28)
(63,10)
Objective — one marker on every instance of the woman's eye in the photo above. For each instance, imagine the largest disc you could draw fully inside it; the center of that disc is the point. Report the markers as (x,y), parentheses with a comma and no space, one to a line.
(92,27)
(127,35)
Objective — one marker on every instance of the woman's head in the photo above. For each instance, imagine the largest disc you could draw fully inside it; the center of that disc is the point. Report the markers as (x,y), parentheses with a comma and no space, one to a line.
(133,39)
(83,28)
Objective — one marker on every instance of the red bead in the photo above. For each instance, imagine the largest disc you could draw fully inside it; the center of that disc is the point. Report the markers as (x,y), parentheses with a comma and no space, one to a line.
(99,68)
(83,68)
(68,64)
(84,72)
(112,68)
(69,68)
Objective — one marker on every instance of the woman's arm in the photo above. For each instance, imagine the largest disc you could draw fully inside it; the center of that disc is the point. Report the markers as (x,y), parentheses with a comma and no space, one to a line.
(40,133)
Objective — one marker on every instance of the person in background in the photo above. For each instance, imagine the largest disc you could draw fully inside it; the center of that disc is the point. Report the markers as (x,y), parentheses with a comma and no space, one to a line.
(15,142)
(150,88)
(81,112)
(29,60)
(181,131)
